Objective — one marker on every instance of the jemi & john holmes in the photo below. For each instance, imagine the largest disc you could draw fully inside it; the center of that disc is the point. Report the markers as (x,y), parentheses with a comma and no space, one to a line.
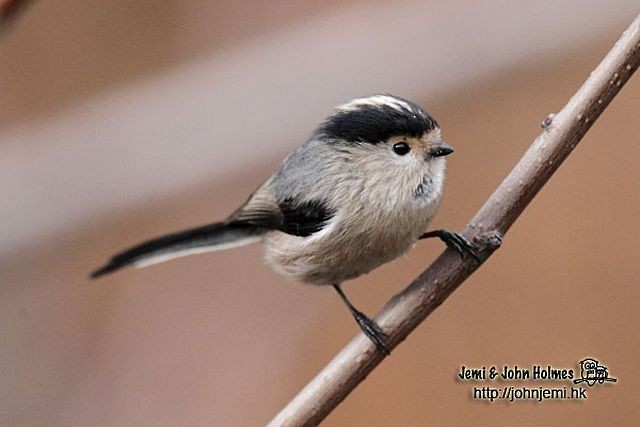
(536,372)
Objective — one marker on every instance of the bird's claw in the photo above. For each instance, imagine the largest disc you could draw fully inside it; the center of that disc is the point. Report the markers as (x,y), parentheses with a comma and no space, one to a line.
(460,244)
(372,331)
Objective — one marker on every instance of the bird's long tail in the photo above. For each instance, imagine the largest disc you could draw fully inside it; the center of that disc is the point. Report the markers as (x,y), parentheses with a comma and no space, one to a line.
(213,237)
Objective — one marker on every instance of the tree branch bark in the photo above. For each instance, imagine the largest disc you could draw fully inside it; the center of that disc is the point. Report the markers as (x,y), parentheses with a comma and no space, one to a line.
(406,310)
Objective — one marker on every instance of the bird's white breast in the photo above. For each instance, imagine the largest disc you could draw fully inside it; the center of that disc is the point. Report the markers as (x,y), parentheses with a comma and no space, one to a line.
(381,225)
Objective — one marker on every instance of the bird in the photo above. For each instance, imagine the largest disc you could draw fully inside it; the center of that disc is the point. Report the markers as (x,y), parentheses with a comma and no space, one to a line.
(592,372)
(358,193)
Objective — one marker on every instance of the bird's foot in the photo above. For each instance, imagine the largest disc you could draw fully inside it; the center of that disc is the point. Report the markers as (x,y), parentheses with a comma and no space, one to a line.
(455,241)
(372,331)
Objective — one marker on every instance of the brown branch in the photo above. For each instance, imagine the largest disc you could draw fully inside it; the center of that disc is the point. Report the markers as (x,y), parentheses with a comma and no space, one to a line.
(406,310)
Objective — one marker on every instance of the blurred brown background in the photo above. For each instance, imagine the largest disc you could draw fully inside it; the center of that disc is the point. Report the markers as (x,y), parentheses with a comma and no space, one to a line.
(123,120)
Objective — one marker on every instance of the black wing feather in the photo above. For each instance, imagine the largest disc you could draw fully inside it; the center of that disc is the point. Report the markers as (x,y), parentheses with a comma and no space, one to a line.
(304,219)
(291,216)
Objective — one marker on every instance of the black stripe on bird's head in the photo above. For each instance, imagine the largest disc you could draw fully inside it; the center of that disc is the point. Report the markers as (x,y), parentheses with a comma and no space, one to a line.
(375,119)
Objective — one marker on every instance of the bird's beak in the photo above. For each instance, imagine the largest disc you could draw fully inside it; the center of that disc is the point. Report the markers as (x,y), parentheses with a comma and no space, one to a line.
(440,149)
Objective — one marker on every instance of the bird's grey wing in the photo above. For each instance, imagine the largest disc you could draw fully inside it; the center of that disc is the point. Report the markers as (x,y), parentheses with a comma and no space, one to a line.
(289,214)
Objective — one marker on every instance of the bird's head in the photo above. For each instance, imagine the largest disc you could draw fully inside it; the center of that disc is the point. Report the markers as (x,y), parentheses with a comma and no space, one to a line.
(389,137)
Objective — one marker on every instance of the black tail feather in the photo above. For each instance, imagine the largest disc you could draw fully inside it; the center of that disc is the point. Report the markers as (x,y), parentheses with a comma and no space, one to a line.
(201,237)
(110,267)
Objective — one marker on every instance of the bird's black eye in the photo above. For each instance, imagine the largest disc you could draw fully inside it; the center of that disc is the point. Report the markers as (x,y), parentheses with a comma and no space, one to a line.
(401,148)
